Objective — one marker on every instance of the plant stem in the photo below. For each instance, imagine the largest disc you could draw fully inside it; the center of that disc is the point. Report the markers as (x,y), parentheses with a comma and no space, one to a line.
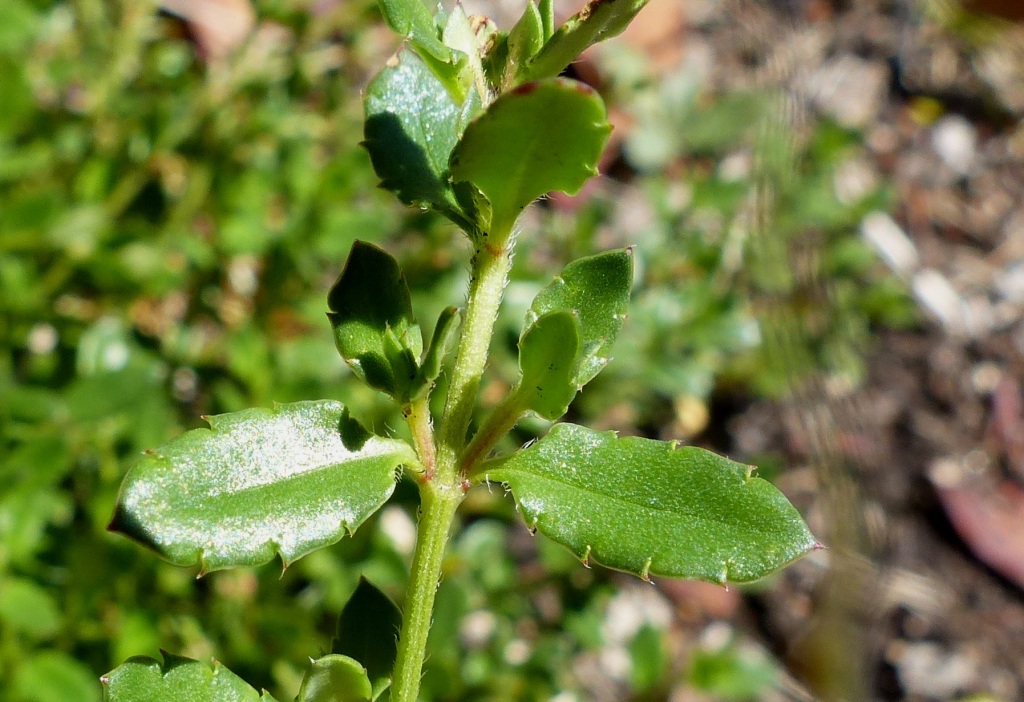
(417,416)
(502,420)
(441,489)
(490,270)
(437,512)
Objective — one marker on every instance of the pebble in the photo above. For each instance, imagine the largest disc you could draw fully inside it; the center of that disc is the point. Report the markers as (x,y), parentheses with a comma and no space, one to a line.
(892,244)
(955,140)
(927,670)
(936,293)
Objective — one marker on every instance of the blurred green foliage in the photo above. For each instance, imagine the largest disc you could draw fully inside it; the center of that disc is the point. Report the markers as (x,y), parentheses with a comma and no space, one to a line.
(168,232)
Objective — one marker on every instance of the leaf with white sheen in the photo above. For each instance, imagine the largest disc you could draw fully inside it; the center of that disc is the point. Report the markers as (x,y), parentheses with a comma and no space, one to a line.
(412,125)
(259,483)
(597,21)
(335,678)
(540,137)
(596,289)
(652,507)
(144,679)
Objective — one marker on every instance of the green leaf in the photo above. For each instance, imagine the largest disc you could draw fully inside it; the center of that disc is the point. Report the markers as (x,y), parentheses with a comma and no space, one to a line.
(146,680)
(368,632)
(524,41)
(653,508)
(412,125)
(596,289)
(374,328)
(28,610)
(599,20)
(445,333)
(412,20)
(547,360)
(469,74)
(540,137)
(335,678)
(546,9)
(286,481)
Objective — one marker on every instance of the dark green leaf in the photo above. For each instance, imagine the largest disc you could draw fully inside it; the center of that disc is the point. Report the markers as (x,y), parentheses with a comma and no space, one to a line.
(412,20)
(596,289)
(547,360)
(146,680)
(412,125)
(374,328)
(335,678)
(368,632)
(653,508)
(599,20)
(540,137)
(259,483)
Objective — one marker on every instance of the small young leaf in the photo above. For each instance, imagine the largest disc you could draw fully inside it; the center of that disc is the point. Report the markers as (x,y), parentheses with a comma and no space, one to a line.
(144,679)
(368,632)
(411,19)
(441,342)
(335,678)
(412,125)
(652,508)
(259,483)
(374,328)
(524,40)
(459,35)
(547,360)
(546,8)
(541,137)
(596,288)
(599,20)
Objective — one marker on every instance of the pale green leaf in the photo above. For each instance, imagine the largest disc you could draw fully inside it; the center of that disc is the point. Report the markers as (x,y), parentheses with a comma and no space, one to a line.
(597,21)
(259,483)
(541,137)
(596,289)
(178,679)
(335,678)
(445,333)
(547,361)
(524,41)
(652,507)
(412,20)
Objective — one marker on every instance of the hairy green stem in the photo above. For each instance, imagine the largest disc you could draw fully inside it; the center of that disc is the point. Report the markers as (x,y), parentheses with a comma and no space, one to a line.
(441,489)
(417,416)
(490,270)
(502,420)
(437,512)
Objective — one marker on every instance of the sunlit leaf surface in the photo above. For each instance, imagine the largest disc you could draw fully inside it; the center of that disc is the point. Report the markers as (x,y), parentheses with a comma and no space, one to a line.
(259,483)
(653,508)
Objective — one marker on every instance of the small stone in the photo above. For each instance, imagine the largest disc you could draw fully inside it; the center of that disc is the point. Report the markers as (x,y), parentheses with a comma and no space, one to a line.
(936,293)
(892,244)
(955,140)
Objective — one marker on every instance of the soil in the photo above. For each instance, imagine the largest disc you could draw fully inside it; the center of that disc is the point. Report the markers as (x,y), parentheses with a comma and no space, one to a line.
(915,479)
